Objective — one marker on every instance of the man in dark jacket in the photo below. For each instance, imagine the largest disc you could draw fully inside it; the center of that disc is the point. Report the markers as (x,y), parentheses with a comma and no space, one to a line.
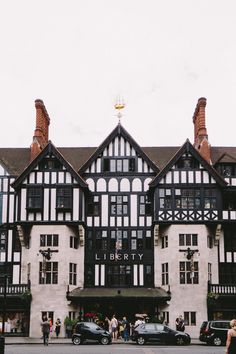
(45,324)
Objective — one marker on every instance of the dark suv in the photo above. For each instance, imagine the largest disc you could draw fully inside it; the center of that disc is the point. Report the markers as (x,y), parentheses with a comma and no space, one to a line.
(159,333)
(214,332)
(90,331)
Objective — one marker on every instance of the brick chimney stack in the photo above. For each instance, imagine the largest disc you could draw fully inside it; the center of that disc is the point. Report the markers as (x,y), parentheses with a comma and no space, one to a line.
(40,138)
(201,142)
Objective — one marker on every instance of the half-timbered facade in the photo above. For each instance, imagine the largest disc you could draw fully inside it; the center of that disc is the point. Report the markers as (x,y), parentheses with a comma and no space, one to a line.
(117,229)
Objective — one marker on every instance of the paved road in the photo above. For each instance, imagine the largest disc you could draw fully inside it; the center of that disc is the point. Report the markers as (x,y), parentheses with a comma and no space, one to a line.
(111,349)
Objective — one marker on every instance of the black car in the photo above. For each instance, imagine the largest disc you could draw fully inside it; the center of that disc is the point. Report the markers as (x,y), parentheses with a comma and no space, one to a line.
(159,333)
(90,331)
(214,332)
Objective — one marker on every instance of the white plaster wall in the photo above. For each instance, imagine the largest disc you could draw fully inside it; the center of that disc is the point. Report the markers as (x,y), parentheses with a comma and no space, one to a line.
(186,297)
(51,297)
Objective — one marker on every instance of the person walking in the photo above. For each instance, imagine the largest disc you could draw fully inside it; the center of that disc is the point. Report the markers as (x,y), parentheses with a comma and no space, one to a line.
(126,332)
(107,324)
(114,327)
(231,338)
(58,327)
(45,324)
(180,325)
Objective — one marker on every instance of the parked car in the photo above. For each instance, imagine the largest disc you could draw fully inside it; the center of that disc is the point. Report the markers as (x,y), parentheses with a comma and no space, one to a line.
(214,332)
(159,333)
(90,331)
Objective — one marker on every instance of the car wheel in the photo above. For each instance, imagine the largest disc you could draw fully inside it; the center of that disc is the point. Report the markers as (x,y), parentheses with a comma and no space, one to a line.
(180,340)
(140,340)
(76,341)
(104,340)
(217,341)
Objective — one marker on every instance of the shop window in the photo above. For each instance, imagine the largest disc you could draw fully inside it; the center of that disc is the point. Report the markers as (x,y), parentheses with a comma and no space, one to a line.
(48,314)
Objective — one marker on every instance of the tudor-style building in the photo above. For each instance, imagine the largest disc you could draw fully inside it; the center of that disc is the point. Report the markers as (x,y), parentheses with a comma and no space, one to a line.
(117,229)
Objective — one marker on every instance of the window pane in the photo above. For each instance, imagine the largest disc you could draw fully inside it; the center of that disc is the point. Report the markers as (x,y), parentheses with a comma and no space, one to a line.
(126,165)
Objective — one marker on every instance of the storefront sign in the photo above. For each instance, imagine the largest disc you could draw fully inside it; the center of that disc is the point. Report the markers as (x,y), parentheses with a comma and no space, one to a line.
(119,257)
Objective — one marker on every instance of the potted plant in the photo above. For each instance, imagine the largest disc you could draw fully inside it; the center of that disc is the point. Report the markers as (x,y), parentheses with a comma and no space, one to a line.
(212,299)
(26,296)
(69,324)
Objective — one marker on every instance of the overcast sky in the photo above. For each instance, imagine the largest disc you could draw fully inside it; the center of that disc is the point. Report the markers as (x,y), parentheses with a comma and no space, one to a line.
(79,55)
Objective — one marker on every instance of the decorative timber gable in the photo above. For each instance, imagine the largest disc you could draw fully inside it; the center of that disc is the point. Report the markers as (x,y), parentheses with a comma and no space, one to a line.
(187,189)
(119,153)
(49,189)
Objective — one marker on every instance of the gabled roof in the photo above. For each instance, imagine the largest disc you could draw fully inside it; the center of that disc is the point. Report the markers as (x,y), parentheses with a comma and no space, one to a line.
(226,158)
(119,131)
(49,149)
(15,160)
(188,147)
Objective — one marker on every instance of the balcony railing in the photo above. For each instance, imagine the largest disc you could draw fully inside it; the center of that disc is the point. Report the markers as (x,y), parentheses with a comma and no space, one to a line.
(222,289)
(14,289)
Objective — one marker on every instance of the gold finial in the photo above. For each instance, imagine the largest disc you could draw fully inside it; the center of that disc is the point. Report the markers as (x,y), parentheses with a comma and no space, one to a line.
(119,105)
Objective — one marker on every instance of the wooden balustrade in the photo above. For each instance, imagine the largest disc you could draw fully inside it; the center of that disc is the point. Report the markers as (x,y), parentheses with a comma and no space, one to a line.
(222,289)
(14,289)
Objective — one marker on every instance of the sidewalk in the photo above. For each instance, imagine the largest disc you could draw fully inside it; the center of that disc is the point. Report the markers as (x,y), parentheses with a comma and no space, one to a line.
(27,340)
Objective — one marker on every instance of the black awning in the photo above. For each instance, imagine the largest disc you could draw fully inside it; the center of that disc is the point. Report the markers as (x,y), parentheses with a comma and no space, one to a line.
(118,293)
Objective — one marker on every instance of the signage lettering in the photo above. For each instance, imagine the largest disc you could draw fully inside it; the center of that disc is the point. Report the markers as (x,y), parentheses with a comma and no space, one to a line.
(118,257)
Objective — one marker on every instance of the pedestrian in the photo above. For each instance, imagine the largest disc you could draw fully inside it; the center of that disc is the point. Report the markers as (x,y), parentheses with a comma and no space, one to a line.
(51,326)
(138,322)
(180,325)
(107,324)
(126,332)
(231,338)
(58,327)
(45,324)
(114,327)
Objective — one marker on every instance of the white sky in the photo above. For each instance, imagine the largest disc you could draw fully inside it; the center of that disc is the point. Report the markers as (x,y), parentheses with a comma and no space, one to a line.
(78,55)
